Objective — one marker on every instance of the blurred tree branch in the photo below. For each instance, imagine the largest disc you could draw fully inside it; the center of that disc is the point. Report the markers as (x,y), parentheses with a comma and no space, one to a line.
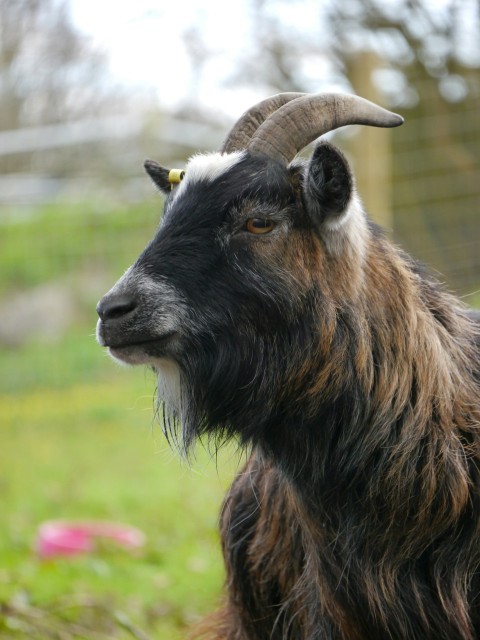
(49,71)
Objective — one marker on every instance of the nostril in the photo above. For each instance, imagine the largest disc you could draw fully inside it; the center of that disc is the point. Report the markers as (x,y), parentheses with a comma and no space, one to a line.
(114,307)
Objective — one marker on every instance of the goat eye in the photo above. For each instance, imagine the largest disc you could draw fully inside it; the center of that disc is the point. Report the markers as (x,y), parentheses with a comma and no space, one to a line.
(259,225)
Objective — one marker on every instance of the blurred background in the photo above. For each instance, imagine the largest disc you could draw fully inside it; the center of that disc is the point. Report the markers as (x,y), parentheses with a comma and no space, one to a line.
(88,90)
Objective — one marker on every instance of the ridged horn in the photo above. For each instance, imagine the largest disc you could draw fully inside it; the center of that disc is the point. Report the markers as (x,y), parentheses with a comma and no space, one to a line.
(293,126)
(242,132)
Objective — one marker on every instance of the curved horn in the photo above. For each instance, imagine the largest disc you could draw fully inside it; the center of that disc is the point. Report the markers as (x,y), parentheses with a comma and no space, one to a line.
(296,124)
(242,132)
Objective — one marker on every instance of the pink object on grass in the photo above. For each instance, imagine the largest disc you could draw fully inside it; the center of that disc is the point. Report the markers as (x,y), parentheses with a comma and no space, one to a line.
(58,538)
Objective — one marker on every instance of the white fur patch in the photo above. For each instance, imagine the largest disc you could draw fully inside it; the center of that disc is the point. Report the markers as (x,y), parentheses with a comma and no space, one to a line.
(347,231)
(168,374)
(353,213)
(208,166)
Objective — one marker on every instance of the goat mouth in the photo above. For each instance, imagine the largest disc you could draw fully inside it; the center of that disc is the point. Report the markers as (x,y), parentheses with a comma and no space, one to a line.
(142,351)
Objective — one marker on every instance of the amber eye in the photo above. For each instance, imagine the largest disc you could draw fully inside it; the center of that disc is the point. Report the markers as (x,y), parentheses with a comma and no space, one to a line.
(259,225)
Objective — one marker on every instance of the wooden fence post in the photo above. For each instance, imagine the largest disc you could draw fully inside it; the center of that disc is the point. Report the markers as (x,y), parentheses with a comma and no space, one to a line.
(371,147)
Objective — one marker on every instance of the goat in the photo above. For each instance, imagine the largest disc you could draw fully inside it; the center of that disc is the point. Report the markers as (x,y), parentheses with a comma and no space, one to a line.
(274,311)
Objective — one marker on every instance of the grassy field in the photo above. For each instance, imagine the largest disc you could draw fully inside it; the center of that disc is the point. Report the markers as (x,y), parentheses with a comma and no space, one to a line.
(90,450)
(79,441)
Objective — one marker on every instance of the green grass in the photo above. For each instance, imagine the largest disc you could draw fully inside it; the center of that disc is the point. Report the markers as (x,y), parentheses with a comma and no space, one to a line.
(57,240)
(78,441)
(82,443)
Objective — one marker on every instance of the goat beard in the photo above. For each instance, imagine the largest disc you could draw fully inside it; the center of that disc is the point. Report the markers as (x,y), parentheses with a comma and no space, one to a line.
(252,388)
(223,389)
(199,402)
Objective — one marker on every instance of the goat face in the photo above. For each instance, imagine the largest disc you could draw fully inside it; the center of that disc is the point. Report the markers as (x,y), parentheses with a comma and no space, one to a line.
(230,276)
(246,269)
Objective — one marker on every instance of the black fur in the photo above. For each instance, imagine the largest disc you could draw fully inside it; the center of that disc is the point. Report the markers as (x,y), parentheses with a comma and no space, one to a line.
(329,183)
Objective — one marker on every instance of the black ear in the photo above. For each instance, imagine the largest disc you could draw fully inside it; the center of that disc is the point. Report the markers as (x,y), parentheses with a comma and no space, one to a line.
(328,184)
(159,175)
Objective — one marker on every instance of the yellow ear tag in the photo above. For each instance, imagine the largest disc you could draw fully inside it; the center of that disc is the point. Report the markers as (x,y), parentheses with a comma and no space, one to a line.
(175,176)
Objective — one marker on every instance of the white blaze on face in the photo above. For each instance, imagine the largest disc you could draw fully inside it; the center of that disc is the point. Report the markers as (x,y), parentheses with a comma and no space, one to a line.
(207,167)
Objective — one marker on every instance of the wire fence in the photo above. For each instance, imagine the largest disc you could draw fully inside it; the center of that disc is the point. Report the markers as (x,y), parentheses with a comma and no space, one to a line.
(436,193)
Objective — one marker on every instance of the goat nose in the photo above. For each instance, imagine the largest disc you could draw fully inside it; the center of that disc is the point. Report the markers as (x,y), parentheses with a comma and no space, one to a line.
(113,307)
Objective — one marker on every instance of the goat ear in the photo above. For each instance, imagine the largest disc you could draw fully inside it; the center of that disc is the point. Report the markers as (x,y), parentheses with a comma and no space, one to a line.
(159,175)
(328,185)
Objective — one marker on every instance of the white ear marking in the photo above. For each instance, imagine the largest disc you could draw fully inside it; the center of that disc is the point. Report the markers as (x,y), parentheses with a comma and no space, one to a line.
(347,231)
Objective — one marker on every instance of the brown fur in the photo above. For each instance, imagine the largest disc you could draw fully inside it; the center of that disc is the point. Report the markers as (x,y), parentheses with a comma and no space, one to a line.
(415,471)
